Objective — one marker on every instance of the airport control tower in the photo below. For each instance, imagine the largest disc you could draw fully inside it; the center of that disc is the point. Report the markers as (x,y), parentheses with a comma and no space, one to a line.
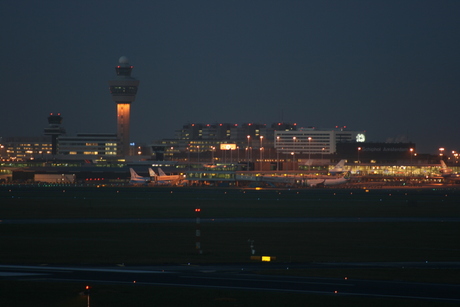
(123,90)
(54,129)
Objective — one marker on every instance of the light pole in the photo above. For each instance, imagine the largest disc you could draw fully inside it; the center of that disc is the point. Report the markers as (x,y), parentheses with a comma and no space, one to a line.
(249,137)
(212,154)
(277,154)
(359,151)
(261,150)
(188,156)
(231,155)
(309,153)
(411,150)
(293,152)
(237,154)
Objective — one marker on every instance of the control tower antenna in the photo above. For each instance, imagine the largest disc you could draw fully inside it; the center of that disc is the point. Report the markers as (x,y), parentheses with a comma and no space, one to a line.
(123,90)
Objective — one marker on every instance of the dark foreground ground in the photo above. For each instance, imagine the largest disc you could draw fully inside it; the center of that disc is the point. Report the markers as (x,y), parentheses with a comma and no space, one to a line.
(145,226)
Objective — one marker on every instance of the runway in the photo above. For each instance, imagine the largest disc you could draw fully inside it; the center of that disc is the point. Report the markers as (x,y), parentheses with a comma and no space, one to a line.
(243,277)
(232,220)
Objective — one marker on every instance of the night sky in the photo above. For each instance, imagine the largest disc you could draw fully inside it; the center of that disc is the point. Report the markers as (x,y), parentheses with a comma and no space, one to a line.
(391,68)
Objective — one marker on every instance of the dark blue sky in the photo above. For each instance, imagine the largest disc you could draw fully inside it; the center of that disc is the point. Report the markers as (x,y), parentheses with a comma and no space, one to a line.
(391,68)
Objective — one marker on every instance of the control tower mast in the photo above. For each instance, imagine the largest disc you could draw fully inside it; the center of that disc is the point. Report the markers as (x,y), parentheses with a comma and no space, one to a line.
(123,90)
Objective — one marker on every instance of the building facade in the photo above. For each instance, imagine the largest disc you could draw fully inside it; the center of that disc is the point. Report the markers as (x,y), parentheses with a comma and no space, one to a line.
(196,138)
(314,140)
(23,148)
(88,144)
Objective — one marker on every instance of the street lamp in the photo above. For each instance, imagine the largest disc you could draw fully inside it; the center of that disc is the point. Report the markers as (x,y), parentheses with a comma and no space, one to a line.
(238,154)
(359,151)
(261,151)
(277,154)
(411,167)
(441,151)
(309,153)
(293,153)
(249,137)
(188,156)
(322,157)
(212,154)
(231,154)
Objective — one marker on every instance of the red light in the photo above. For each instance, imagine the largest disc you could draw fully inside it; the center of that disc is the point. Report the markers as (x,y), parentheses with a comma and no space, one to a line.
(197,210)
(87,287)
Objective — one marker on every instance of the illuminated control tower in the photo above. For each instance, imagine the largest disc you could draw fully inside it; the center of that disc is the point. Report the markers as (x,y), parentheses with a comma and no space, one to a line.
(123,90)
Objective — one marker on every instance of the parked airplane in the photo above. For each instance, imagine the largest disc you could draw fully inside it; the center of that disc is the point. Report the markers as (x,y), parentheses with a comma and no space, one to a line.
(338,169)
(447,173)
(136,179)
(162,177)
(328,181)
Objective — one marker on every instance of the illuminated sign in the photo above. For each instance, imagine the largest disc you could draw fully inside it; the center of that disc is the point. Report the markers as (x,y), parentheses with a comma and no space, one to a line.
(227,146)
(360,137)
(385,149)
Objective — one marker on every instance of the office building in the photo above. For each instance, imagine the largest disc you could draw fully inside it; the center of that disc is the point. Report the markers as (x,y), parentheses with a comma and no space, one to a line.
(23,148)
(315,140)
(88,145)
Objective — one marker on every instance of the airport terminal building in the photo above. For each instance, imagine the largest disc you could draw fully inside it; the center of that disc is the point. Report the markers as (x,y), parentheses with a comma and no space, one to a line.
(315,141)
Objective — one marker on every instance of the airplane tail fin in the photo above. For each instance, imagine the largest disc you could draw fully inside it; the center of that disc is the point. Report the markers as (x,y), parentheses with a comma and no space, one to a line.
(443,164)
(133,174)
(152,172)
(338,168)
(160,172)
(341,164)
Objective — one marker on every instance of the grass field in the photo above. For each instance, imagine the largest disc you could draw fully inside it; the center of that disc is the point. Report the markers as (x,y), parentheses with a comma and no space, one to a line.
(69,295)
(227,242)
(150,243)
